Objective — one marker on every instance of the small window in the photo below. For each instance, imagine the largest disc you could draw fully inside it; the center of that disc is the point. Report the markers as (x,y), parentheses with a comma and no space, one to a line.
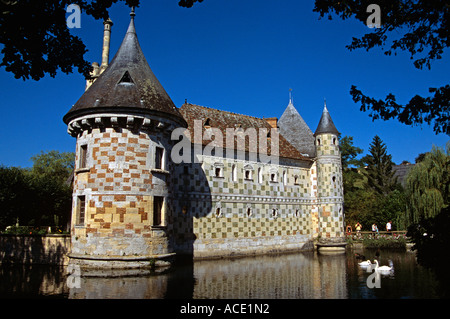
(248,174)
(318,141)
(207,123)
(159,156)
(274,212)
(218,171)
(297,213)
(81,209)
(126,78)
(284,178)
(249,212)
(158,202)
(273,177)
(83,156)
(260,175)
(295,179)
(334,141)
(218,212)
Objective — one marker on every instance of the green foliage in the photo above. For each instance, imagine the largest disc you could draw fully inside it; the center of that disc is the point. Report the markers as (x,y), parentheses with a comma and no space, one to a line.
(428,185)
(37,196)
(379,173)
(371,193)
(36,40)
(24,230)
(349,153)
(385,242)
(418,27)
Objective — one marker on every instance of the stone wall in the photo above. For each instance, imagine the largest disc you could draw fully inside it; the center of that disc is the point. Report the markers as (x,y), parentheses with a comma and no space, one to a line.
(34,249)
(230,207)
(119,184)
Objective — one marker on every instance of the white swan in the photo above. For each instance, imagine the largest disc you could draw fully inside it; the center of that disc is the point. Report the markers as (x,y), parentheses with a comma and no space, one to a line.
(365,263)
(382,268)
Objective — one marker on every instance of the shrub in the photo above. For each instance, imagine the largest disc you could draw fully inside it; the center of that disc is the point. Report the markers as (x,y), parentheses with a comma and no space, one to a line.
(385,241)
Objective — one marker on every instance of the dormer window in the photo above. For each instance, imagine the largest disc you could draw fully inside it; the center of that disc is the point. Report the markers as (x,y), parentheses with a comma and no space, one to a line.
(207,123)
(126,79)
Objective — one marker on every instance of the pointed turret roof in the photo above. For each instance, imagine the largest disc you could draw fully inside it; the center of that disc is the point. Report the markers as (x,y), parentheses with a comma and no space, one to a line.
(296,131)
(127,85)
(326,124)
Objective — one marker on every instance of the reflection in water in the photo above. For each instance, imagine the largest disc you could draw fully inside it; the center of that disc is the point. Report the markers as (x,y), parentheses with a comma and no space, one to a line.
(293,276)
(271,277)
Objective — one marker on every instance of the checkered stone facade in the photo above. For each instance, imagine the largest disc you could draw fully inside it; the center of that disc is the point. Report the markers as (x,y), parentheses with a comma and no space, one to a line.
(117,182)
(330,187)
(233,211)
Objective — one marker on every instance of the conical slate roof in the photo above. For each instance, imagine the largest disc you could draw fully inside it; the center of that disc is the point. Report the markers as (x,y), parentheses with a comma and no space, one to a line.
(127,85)
(296,131)
(326,124)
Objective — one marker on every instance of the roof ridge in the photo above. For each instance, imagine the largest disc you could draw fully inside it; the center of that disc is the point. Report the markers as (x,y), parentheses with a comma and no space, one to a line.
(207,107)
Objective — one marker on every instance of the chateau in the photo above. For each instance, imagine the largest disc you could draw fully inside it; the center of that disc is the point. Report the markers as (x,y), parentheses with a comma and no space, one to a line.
(153,181)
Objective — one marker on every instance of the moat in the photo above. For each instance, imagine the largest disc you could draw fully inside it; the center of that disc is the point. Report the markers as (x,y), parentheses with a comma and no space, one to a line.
(289,276)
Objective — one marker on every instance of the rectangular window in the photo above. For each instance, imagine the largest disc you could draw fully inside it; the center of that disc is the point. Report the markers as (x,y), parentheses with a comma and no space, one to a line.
(158,202)
(81,209)
(83,156)
(159,156)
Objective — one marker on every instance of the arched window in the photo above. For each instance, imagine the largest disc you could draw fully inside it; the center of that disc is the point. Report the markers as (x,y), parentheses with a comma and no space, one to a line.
(260,175)
(234,173)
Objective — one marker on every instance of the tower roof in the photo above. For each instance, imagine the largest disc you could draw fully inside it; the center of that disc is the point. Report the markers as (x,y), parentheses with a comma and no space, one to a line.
(326,124)
(127,85)
(296,131)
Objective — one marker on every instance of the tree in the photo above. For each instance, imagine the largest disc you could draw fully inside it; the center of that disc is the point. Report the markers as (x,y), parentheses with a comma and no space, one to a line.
(54,164)
(428,185)
(379,173)
(349,152)
(355,197)
(14,189)
(37,40)
(37,196)
(423,28)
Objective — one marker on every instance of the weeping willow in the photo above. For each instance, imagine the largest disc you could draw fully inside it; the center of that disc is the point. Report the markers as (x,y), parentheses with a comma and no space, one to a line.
(427,185)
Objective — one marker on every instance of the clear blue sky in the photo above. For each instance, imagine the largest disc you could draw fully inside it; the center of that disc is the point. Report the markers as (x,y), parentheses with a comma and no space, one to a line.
(239,56)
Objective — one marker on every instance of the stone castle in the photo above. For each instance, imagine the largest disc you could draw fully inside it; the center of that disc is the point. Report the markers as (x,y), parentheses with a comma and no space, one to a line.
(136,204)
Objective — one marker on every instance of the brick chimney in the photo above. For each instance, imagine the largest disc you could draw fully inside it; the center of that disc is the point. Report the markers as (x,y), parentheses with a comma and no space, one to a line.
(273,121)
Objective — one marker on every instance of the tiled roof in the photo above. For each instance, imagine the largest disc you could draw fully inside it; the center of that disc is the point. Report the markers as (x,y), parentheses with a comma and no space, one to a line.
(296,131)
(223,120)
(127,84)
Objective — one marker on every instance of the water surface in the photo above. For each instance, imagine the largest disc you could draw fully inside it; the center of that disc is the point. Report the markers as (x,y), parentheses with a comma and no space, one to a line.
(290,276)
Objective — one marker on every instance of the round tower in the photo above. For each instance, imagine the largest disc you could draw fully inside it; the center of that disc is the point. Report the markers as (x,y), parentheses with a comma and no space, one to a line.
(330,195)
(121,193)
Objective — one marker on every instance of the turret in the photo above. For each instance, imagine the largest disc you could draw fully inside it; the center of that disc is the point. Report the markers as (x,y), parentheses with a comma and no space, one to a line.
(121,196)
(329,184)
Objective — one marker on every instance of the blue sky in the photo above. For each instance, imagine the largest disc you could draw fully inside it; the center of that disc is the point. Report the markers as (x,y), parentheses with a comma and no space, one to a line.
(238,56)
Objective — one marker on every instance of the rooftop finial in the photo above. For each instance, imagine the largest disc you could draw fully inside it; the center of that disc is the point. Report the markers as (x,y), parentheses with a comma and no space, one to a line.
(290,97)
(132,14)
